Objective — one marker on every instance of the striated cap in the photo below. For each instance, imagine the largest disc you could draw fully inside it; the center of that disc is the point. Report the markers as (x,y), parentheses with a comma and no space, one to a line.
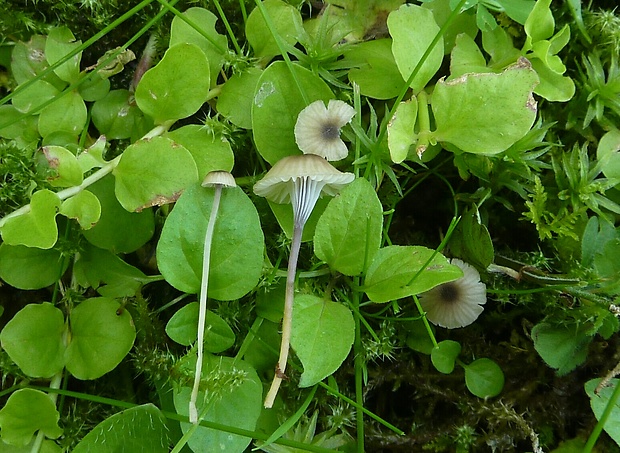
(219,178)
(277,185)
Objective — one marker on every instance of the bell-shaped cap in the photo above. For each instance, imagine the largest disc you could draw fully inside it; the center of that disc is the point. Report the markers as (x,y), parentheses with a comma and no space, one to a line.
(219,178)
(277,185)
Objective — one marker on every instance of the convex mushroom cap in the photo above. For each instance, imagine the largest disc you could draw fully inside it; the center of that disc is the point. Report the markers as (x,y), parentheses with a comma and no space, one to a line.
(277,185)
(219,178)
(300,180)
(317,130)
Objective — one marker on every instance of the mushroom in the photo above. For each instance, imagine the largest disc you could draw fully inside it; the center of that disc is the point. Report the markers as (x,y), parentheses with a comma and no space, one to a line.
(217,180)
(299,180)
(317,130)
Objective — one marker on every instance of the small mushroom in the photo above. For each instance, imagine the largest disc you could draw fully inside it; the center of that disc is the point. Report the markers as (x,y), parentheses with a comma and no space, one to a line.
(299,180)
(317,130)
(217,180)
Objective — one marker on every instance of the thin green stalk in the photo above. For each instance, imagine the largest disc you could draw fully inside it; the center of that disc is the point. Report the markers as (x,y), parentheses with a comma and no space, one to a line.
(425,321)
(359,372)
(596,432)
(357,103)
(232,36)
(202,313)
(287,316)
(280,44)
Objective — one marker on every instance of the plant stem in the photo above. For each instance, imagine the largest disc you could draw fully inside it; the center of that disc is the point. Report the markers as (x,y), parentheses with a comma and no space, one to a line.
(287,318)
(359,371)
(202,314)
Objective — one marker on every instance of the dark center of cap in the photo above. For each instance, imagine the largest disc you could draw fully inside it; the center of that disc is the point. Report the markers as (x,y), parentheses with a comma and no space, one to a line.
(330,132)
(449,293)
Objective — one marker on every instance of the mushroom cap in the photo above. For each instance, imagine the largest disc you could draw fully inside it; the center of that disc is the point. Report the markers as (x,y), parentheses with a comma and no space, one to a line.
(219,178)
(277,185)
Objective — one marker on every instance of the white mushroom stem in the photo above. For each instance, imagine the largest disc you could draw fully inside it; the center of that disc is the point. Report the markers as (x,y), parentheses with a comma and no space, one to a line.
(202,314)
(305,194)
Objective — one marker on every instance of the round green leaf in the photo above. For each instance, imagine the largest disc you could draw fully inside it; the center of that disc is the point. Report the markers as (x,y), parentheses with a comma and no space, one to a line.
(444,356)
(152,173)
(102,333)
(66,114)
(484,378)
(118,230)
(60,42)
(18,125)
(215,47)
(117,117)
(277,103)
(234,400)
(30,268)
(235,99)
(348,234)
(599,402)
(608,150)
(139,429)
(28,60)
(486,113)
(391,274)
(210,152)
(471,240)
(375,69)
(236,251)
(413,29)
(94,88)
(61,165)
(183,328)
(177,86)
(35,95)
(84,207)
(401,134)
(562,347)
(33,339)
(322,334)
(36,228)
(26,412)
(286,20)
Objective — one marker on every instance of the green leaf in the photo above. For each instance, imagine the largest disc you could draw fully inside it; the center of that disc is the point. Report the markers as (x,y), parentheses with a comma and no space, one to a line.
(553,86)
(20,126)
(348,234)
(471,240)
(30,268)
(33,339)
(140,429)
(236,251)
(66,114)
(444,356)
(236,400)
(391,275)
(418,337)
(540,23)
(26,412)
(561,347)
(94,87)
(608,151)
(84,207)
(183,328)
(413,28)
(484,378)
(61,165)
(322,334)
(401,134)
(375,69)
(102,333)
(215,47)
(117,117)
(277,103)
(237,95)
(107,273)
(33,96)
(466,57)
(286,21)
(36,228)
(118,230)
(599,402)
(461,25)
(28,60)
(486,113)
(210,151)
(152,173)
(177,86)
(60,42)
